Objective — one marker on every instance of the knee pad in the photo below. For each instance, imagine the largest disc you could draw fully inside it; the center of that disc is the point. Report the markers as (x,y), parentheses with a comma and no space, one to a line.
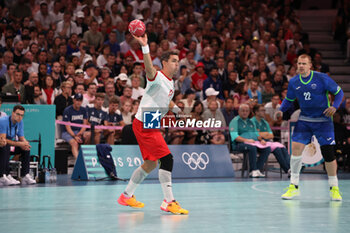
(166,163)
(328,152)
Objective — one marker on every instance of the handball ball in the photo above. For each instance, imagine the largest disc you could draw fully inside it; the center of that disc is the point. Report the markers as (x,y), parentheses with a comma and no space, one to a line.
(137,27)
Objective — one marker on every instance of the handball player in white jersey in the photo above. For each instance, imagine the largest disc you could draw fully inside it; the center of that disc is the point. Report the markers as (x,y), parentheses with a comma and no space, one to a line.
(157,97)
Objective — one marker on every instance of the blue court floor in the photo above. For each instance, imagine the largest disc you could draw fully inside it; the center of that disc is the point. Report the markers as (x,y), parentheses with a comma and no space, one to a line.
(215,206)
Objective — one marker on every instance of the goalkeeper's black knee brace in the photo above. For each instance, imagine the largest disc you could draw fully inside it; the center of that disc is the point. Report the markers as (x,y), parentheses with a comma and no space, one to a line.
(328,152)
(166,163)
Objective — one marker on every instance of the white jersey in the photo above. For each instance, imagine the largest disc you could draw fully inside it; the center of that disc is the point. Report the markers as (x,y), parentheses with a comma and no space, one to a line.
(158,94)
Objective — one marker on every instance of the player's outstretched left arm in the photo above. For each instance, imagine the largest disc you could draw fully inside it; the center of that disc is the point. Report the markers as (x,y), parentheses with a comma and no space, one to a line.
(150,70)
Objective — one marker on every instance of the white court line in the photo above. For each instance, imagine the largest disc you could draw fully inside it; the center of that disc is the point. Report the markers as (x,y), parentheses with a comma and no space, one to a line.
(255,187)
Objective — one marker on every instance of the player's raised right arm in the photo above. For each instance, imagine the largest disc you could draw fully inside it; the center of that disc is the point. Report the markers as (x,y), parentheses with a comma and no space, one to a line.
(150,70)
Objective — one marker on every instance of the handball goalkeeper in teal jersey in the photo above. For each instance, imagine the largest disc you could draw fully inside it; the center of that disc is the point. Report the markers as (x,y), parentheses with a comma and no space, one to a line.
(311,89)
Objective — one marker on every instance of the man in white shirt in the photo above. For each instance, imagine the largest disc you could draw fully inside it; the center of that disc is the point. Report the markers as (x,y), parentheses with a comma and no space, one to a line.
(43,19)
(153,5)
(271,108)
(137,91)
(82,55)
(66,27)
(56,15)
(211,95)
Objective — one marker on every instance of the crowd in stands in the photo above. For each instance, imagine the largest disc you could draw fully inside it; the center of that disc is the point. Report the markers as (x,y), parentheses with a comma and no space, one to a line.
(231,52)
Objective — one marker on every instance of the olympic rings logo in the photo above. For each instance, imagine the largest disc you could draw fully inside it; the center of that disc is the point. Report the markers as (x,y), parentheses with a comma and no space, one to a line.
(195,161)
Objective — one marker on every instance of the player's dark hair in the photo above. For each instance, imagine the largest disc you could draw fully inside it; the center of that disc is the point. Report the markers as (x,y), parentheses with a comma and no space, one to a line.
(166,55)
(18,106)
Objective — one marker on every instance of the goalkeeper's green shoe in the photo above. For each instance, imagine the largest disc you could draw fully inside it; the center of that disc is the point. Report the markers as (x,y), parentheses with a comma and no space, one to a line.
(292,192)
(335,194)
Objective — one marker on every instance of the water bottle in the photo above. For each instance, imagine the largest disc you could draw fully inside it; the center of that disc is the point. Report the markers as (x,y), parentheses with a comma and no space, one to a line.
(47,176)
(54,175)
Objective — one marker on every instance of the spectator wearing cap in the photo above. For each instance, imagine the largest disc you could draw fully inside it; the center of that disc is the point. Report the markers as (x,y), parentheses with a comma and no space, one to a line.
(80,89)
(214,82)
(137,91)
(79,76)
(198,77)
(211,94)
(42,18)
(82,54)
(90,74)
(255,44)
(120,84)
(64,99)
(207,61)
(183,83)
(188,101)
(74,114)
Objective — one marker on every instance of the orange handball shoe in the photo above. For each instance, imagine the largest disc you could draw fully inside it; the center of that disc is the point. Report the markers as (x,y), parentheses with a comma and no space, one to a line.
(130,201)
(173,207)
